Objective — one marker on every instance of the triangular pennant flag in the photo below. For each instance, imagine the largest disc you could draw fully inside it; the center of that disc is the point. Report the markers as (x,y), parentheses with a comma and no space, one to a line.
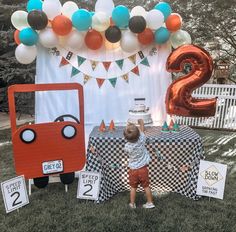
(94,64)
(63,62)
(145,62)
(80,60)
(106,65)
(74,71)
(100,82)
(171,125)
(126,78)
(120,63)
(133,59)
(141,55)
(113,81)
(135,70)
(86,78)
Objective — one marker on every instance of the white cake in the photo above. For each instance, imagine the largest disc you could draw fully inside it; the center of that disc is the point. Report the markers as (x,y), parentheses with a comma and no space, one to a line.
(139,111)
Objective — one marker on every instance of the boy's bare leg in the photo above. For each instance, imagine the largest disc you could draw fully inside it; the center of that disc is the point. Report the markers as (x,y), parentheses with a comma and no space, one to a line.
(148,194)
(132,195)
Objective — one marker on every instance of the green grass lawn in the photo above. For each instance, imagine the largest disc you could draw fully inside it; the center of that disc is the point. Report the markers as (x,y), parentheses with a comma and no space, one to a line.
(52,209)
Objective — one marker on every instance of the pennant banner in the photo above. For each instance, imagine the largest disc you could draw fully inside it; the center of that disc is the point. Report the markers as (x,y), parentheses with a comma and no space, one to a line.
(113,81)
(100,82)
(74,71)
(145,62)
(120,63)
(133,59)
(94,64)
(135,70)
(80,60)
(63,62)
(86,78)
(126,78)
(106,65)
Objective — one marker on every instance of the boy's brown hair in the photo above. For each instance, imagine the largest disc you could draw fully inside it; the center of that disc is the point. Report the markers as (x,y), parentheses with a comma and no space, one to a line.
(131,133)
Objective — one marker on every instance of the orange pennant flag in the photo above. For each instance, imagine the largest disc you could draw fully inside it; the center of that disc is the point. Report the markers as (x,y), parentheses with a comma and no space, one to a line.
(106,65)
(100,82)
(135,70)
(63,62)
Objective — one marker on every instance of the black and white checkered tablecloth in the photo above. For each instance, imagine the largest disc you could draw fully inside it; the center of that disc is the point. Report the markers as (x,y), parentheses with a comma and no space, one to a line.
(174,166)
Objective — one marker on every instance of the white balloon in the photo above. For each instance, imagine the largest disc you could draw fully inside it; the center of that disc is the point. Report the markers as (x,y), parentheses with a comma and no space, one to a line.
(25,54)
(69,8)
(19,19)
(138,11)
(154,19)
(48,38)
(100,21)
(179,38)
(75,40)
(105,6)
(129,42)
(52,8)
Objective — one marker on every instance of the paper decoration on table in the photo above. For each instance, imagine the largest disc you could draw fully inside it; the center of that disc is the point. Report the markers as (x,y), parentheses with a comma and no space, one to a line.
(184,168)
(102,127)
(176,127)
(171,125)
(112,126)
(114,166)
(165,127)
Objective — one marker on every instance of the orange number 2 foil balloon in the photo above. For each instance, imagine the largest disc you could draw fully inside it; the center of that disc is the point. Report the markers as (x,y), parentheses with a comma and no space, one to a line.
(178,98)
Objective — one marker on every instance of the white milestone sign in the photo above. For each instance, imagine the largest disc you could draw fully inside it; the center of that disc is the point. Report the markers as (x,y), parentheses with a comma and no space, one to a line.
(89,185)
(211,179)
(14,193)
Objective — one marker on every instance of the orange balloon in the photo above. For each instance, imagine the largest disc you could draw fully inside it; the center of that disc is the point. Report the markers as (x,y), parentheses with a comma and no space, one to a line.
(174,22)
(93,39)
(61,25)
(146,37)
(16,37)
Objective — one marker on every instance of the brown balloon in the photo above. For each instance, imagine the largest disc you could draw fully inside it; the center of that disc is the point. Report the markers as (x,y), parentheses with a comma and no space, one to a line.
(178,98)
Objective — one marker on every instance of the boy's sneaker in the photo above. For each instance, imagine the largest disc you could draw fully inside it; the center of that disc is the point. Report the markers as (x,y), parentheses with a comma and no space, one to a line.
(149,205)
(132,206)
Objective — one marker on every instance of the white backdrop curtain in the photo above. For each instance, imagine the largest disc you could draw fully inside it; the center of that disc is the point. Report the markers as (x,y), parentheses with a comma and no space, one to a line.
(106,103)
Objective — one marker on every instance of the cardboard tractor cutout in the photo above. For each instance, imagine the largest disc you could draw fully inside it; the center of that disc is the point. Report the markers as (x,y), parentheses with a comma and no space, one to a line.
(50,148)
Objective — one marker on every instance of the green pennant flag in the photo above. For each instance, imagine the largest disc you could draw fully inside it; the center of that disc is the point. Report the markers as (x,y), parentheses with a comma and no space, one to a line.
(113,81)
(120,63)
(80,60)
(145,62)
(74,71)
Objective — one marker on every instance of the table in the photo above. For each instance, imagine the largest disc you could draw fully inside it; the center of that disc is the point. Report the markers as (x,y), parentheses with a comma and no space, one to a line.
(174,166)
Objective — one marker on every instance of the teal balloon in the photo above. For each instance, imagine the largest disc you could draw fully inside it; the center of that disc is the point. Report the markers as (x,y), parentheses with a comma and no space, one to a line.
(28,36)
(121,16)
(164,8)
(82,20)
(162,35)
(34,5)
(92,13)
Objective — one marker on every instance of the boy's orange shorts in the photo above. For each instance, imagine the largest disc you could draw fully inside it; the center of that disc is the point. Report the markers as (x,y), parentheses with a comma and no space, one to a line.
(139,176)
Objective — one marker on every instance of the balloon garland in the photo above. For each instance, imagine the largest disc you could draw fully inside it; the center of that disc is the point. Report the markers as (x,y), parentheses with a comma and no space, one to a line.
(48,22)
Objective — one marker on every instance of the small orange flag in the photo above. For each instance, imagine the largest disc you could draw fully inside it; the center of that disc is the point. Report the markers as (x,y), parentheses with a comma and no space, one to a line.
(112,126)
(102,127)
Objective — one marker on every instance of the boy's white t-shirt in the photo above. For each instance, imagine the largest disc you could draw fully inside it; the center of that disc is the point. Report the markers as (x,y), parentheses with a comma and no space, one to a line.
(138,154)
